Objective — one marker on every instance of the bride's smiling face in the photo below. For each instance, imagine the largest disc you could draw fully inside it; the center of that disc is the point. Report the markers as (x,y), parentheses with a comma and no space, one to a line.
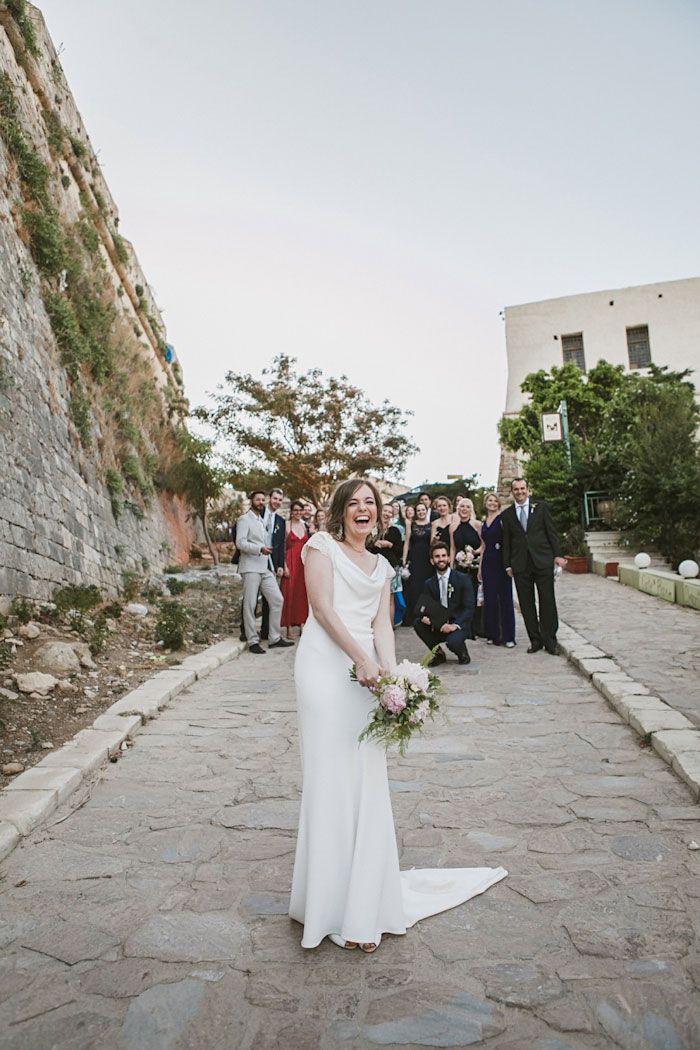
(360,513)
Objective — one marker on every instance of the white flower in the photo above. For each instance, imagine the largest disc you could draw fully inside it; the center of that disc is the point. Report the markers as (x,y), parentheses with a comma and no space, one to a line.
(414,675)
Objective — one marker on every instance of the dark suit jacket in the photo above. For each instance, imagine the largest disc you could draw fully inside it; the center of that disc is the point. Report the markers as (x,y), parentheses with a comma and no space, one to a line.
(279,531)
(460,597)
(540,541)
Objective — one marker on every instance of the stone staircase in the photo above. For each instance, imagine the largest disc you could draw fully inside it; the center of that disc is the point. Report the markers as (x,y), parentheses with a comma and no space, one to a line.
(606,546)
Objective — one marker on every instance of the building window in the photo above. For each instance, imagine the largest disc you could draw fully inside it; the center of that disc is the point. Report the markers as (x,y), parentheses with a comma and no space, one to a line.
(638,349)
(572,349)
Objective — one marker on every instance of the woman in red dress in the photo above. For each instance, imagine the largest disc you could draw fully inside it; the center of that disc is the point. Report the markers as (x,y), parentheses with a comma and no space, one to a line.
(296,606)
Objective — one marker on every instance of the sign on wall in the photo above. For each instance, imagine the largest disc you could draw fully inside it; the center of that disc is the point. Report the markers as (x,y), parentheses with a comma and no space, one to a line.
(552,426)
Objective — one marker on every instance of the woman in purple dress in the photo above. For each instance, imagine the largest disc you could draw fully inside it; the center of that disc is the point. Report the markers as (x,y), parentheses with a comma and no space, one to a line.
(499,617)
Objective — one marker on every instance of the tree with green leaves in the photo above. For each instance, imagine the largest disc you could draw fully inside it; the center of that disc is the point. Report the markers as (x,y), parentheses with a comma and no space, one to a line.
(305,432)
(195,476)
(626,430)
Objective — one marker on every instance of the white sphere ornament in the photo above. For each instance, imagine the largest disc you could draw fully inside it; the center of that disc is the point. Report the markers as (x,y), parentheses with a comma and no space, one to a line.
(688,569)
(642,560)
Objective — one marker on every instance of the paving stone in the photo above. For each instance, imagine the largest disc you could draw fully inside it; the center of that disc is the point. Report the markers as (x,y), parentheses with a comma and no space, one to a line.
(278,814)
(161,1016)
(425,1016)
(619,809)
(126,978)
(491,843)
(71,942)
(559,887)
(644,1016)
(187,937)
(673,742)
(519,984)
(528,700)
(647,848)
(619,930)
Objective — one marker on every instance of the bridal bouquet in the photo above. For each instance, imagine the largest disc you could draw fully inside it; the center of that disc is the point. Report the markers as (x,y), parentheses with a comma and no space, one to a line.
(407,696)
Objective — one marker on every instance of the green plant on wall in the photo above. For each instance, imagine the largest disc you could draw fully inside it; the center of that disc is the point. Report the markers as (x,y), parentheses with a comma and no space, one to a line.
(18,10)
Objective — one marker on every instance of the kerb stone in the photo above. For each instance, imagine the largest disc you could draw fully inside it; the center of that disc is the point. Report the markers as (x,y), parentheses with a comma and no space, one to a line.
(687,766)
(9,837)
(130,724)
(63,781)
(654,721)
(87,750)
(670,743)
(592,665)
(26,809)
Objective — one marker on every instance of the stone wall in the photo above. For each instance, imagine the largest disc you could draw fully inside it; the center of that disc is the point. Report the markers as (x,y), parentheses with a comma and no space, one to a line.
(57,514)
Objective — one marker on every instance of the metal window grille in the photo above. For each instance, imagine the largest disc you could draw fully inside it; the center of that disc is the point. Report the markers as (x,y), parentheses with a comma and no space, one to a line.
(572,349)
(638,349)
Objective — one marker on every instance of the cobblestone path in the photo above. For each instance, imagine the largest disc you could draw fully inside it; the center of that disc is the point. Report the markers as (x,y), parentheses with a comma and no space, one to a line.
(154,916)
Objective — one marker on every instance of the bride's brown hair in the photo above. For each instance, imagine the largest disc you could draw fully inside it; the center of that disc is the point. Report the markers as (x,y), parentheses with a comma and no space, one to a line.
(339,504)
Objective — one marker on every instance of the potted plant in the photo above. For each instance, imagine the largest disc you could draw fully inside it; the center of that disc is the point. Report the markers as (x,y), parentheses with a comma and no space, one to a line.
(575,550)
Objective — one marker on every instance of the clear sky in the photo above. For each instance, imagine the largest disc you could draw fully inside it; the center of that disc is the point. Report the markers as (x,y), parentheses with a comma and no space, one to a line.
(365,184)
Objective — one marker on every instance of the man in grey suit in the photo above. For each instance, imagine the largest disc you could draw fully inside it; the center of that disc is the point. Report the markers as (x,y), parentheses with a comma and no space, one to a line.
(255,566)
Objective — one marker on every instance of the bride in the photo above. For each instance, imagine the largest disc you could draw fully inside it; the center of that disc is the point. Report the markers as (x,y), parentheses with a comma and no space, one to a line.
(347,885)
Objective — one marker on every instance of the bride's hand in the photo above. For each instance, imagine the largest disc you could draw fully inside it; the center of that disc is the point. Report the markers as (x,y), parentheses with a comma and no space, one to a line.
(368,672)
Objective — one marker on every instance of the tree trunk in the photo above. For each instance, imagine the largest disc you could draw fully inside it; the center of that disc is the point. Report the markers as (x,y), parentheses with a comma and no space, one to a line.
(207,537)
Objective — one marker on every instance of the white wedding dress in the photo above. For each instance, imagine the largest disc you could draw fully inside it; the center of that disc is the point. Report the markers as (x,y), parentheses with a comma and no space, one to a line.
(347,882)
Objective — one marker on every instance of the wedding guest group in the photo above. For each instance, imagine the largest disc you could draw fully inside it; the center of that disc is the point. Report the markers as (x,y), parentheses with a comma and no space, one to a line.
(282,549)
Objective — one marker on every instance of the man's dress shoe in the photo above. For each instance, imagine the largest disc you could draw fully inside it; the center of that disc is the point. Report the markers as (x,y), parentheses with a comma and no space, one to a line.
(534,648)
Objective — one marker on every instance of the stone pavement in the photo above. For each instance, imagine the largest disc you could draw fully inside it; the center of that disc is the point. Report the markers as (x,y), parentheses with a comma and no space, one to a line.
(153,917)
(652,640)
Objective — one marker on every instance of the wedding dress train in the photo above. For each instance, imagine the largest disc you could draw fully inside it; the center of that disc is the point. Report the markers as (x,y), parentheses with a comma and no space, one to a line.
(347,880)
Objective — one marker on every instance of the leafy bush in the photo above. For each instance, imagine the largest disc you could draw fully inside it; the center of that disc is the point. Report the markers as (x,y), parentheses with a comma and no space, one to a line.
(195,554)
(46,241)
(22,609)
(114,482)
(98,635)
(73,603)
(171,623)
(176,586)
(18,10)
(113,610)
(174,569)
(6,655)
(131,584)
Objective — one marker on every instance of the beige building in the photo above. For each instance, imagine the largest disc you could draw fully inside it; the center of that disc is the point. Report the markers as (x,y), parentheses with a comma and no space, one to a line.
(634,327)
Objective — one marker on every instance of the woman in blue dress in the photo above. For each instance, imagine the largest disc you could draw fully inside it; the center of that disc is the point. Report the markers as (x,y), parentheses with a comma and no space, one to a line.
(416,555)
(498,616)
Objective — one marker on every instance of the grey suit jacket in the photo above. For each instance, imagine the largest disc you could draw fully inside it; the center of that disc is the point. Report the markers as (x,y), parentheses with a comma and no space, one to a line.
(250,539)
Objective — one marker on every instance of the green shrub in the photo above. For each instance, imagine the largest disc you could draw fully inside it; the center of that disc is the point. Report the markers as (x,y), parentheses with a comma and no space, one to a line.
(176,586)
(18,10)
(131,585)
(114,481)
(195,554)
(22,609)
(174,569)
(171,623)
(32,170)
(120,248)
(46,241)
(79,147)
(80,413)
(6,655)
(77,597)
(113,610)
(89,235)
(98,635)
(134,509)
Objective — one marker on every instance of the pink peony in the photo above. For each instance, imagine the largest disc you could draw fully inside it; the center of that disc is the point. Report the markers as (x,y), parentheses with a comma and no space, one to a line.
(393,699)
(420,713)
(414,675)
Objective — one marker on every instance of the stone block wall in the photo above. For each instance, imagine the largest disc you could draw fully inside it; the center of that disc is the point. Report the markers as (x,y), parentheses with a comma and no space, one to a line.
(57,524)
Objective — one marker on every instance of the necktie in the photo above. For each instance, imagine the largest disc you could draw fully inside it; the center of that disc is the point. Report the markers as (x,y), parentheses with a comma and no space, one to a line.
(523,517)
(443,590)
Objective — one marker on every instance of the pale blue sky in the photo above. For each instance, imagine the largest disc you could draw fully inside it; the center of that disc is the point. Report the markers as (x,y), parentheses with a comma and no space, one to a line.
(365,185)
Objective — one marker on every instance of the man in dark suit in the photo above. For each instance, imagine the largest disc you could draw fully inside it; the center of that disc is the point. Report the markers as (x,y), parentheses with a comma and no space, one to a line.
(531,549)
(445,608)
(277,529)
